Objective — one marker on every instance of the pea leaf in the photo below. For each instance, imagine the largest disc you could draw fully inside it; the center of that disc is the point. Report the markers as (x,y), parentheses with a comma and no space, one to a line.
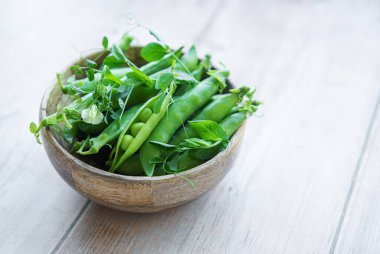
(105,42)
(90,74)
(92,115)
(163,81)
(209,130)
(139,75)
(118,53)
(76,69)
(89,63)
(116,58)
(107,74)
(69,134)
(33,127)
(153,51)
(173,165)
(121,103)
(206,154)
(126,41)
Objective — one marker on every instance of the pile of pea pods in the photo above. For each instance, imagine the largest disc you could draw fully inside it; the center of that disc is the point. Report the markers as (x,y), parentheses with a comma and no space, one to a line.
(162,112)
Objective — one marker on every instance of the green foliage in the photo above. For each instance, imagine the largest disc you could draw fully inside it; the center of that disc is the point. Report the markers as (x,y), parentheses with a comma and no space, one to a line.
(154,51)
(115,99)
(209,130)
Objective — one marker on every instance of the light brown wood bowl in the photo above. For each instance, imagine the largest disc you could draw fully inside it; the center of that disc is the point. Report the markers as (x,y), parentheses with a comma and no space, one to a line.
(131,193)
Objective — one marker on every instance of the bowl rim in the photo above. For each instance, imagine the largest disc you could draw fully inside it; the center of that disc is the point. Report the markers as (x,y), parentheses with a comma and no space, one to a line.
(104,173)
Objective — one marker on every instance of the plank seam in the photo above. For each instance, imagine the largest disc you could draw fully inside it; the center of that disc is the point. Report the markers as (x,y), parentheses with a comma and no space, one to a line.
(70,228)
(354,177)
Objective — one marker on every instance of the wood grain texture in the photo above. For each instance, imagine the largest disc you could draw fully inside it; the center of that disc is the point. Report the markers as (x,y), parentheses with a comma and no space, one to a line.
(360,232)
(316,67)
(37,208)
(287,192)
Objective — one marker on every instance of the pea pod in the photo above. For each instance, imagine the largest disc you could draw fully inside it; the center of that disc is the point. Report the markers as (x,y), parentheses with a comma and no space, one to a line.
(214,111)
(189,60)
(139,130)
(110,133)
(131,167)
(230,125)
(182,108)
(202,68)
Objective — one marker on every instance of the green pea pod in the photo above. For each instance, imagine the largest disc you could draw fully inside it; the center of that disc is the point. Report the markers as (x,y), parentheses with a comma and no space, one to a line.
(230,125)
(110,133)
(158,105)
(202,68)
(132,166)
(189,60)
(214,111)
(91,128)
(182,108)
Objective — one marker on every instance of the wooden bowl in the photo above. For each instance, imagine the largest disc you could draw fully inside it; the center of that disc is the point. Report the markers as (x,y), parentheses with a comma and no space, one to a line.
(131,193)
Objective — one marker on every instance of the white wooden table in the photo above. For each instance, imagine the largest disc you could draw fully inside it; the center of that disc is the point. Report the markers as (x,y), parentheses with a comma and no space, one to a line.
(307,180)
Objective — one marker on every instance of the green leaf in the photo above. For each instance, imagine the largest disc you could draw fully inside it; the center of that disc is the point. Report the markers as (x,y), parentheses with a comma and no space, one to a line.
(116,58)
(209,130)
(90,74)
(208,153)
(154,35)
(118,53)
(153,51)
(33,127)
(105,42)
(139,75)
(76,69)
(173,165)
(121,103)
(92,115)
(107,74)
(126,41)
(69,134)
(90,64)
(164,81)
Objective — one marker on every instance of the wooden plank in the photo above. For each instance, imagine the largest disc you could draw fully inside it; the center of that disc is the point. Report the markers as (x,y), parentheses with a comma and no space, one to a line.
(287,191)
(37,208)
(360,230)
